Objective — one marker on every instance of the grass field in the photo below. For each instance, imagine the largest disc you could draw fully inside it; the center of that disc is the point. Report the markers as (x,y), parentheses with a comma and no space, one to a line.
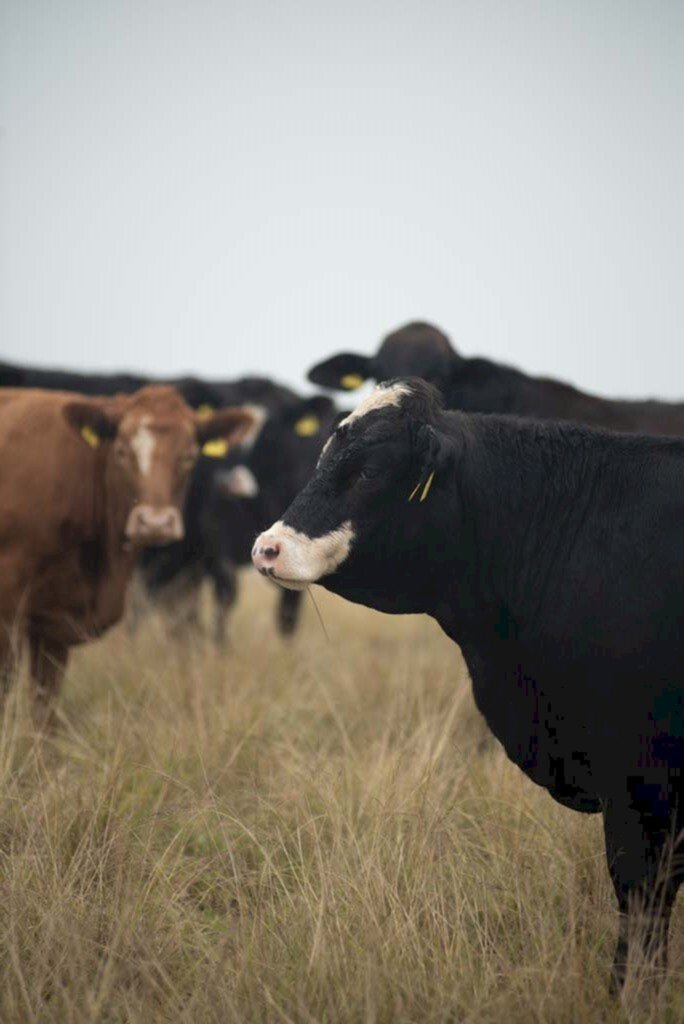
(307,831)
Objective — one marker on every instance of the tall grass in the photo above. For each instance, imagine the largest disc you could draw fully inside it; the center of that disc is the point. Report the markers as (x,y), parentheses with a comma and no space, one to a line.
(305,831)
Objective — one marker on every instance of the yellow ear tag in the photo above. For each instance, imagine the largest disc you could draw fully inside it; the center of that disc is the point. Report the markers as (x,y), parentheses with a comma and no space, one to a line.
(216,448)
(307,426)
(428,485)
(89,436)
(426,488)
(351,381)
(205,411)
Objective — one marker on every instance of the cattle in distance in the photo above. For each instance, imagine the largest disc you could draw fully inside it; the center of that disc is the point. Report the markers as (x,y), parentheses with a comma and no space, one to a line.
(480,385)
(553,554)
(203,395)
(257,481)
(84,483)
(212,548)
(230,500)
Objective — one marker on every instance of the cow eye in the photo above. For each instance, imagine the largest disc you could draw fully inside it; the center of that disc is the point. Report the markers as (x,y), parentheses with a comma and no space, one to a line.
(120,451)
(368,472)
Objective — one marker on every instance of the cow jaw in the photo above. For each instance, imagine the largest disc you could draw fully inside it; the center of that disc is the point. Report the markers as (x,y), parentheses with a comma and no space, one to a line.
(293,560)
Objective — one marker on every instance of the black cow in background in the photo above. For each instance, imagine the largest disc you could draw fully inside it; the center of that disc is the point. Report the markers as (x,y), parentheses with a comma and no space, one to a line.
(196,392)
(554,556)
(212,549)
(232,501)
(480,385)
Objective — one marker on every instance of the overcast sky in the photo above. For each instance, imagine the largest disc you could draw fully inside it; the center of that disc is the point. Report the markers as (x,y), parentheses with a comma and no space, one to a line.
(247,186)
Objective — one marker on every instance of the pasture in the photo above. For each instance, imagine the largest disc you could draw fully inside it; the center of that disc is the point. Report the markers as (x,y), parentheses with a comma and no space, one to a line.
(313,831)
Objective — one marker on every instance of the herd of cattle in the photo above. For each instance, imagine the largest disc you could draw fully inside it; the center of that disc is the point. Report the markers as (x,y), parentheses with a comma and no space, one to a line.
(551,551)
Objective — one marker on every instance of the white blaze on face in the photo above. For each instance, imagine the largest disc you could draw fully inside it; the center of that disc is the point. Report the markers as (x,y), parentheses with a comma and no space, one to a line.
(379,398)
(303,560)
(260,415)
(324,449)
(142,443)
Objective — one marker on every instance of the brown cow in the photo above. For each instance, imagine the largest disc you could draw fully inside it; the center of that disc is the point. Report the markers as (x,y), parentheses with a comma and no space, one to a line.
(84,483)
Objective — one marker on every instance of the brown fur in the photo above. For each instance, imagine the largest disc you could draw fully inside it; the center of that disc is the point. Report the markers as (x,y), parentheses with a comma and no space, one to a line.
(65,562)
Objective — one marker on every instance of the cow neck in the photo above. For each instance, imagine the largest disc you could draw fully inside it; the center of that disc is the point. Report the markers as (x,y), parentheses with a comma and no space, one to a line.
(109,512)
(527,492)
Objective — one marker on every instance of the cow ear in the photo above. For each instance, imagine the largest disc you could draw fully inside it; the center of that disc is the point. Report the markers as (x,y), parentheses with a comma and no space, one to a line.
(219,432)
(434,454)
(344,372)
(306,418)
(94,421)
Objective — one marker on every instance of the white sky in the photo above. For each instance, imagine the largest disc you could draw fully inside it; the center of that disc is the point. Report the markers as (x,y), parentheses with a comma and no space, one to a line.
(250,186)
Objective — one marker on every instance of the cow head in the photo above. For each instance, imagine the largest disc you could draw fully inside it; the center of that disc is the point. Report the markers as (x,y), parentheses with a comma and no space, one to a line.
(415,350)
(283,454)
(149,442)
(361,517)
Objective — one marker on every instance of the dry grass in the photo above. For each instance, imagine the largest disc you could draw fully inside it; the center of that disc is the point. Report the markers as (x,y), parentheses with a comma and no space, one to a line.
(304,832)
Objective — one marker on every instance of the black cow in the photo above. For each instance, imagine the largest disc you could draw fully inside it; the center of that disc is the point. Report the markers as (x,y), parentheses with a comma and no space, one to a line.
(554,556)
(229,503)
(479,385)
(197,393)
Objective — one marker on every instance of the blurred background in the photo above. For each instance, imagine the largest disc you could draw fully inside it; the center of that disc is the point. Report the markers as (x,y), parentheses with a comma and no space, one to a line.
(225,187)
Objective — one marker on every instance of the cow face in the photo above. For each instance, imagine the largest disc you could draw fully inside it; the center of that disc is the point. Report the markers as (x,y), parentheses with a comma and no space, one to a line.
(150,442)
(356,515)
(288,445)
(416,350)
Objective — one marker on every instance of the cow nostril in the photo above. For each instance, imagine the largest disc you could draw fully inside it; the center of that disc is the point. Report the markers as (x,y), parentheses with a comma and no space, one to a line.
(272,551)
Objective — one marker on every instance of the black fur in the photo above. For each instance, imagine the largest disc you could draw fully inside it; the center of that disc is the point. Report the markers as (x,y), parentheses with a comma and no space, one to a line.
(554,556)
(479,385)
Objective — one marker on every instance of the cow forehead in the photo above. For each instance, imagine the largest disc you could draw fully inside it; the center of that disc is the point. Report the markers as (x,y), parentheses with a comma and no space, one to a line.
(149,435)
(135,425)
(382,397)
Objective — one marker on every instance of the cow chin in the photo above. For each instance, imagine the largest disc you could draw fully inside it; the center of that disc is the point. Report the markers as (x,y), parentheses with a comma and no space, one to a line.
(294,560)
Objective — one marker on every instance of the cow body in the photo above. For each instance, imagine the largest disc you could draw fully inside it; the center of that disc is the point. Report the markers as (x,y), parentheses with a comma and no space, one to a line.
(480,385)
(278,464)
(554,556)
(82,485)
(196,392)
(63,566)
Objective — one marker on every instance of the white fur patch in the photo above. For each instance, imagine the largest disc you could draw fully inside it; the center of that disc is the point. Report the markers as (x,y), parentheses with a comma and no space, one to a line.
(324,450)
(379,397)
(260,414)
(240,482)
(142,443)
(304,560)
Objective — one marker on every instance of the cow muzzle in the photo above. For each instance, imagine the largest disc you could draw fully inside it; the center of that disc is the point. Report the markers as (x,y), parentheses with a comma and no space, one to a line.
(149,525)
(294,560)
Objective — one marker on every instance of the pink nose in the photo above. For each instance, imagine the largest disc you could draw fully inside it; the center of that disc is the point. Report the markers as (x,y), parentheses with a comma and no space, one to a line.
(265,553)
(149,525)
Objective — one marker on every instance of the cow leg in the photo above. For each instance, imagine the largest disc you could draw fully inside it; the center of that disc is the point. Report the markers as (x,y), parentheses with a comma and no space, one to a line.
(225,596)
(137,603)
(8,666)
(179,602)
(288,611)
(646,871)
(48,662)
